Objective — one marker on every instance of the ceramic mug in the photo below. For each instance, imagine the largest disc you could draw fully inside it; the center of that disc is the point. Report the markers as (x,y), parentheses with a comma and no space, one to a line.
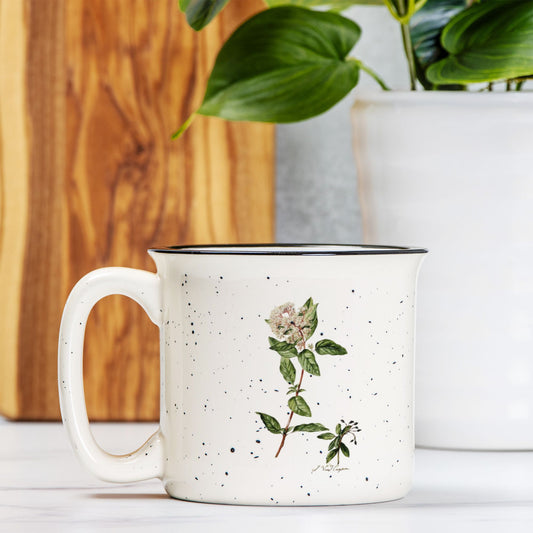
(286,372)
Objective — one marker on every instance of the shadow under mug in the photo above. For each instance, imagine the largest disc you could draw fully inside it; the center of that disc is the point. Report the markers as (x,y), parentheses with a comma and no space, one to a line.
(286,372)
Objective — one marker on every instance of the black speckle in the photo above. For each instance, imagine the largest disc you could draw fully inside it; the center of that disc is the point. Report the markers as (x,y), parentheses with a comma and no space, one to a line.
(232,450)
(258,441)
(226,473)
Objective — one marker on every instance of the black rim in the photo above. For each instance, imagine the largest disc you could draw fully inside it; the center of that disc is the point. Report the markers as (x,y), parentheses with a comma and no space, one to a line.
(288,249)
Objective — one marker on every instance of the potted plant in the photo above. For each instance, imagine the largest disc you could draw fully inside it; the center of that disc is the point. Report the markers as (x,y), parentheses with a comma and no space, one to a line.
(448,167)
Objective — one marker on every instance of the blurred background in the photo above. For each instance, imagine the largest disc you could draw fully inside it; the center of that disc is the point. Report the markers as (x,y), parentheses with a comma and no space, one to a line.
(90,92)
(316,193)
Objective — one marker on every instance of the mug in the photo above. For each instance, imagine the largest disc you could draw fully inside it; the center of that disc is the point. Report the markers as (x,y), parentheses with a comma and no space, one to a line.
(286,372)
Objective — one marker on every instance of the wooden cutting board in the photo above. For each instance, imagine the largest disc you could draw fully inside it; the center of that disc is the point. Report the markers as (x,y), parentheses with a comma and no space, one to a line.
(90,92)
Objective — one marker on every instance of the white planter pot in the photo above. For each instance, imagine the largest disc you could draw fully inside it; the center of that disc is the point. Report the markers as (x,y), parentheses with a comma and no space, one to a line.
(454,172)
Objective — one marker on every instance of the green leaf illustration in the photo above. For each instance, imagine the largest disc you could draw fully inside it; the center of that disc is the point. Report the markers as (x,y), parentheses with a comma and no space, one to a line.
(328,347)
(299,406)
(278,48)
(338,429)
(310,428)
(283,348)
(345,450)
(326,436)
(334,443)
(287,370)
(310,316)
(308,362)
(270,423)
(294,388)
(331,455)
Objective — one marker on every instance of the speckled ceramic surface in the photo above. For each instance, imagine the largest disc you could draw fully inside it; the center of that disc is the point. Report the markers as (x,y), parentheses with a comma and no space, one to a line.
(287,373)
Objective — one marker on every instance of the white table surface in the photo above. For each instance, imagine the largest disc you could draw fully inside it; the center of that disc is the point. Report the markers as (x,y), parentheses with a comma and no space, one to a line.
(44,488)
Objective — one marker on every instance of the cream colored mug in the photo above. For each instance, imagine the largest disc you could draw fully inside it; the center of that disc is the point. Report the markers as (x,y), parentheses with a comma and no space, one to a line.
(286,372)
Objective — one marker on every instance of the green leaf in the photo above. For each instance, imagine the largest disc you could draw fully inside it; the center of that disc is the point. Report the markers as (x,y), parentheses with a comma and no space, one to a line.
(425,28)
(338,429)
(490,41)
(287,370)
(326,436)
(265,70)
(310,428)
(294,389)
(308,362)
(334,443)
(345,450)
(331,5)
(270,423)
(199,13)
(310,317)
(331,455)
(328,347)
(283,348)
(299,406)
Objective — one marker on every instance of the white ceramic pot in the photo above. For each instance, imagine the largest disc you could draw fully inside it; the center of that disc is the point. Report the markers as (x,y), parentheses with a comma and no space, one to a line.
(454,172)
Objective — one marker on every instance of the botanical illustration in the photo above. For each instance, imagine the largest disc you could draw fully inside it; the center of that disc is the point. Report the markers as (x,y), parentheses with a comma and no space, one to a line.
(293,329)
(336,446)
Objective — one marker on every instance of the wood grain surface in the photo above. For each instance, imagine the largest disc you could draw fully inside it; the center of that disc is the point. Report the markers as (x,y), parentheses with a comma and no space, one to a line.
(90,92)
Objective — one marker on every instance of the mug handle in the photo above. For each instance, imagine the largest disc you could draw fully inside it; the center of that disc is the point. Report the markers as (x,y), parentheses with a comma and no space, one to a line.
(143,287)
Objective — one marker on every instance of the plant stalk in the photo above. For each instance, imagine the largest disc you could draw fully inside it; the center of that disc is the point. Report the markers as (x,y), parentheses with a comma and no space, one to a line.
(409,54)
(290,416)
(183,127)
(371,73)
(296,394)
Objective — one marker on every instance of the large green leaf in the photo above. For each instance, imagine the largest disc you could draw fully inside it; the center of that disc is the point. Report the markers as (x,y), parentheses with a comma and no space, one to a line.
(283,65)
(199,13)
(490,41)
(425,29)
(332,5)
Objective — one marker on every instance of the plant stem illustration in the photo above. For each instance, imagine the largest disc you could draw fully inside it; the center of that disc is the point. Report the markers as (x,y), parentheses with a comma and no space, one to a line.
(336,446)
(293,329)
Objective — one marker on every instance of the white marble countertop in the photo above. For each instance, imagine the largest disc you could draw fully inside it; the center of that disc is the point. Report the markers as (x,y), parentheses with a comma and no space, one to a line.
(44,488)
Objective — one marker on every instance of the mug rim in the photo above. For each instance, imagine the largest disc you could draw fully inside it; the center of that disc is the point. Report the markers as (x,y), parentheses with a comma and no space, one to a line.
(277,249)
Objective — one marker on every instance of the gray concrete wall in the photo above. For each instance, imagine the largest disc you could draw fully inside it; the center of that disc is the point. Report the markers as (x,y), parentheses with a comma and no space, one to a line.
(316,193)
